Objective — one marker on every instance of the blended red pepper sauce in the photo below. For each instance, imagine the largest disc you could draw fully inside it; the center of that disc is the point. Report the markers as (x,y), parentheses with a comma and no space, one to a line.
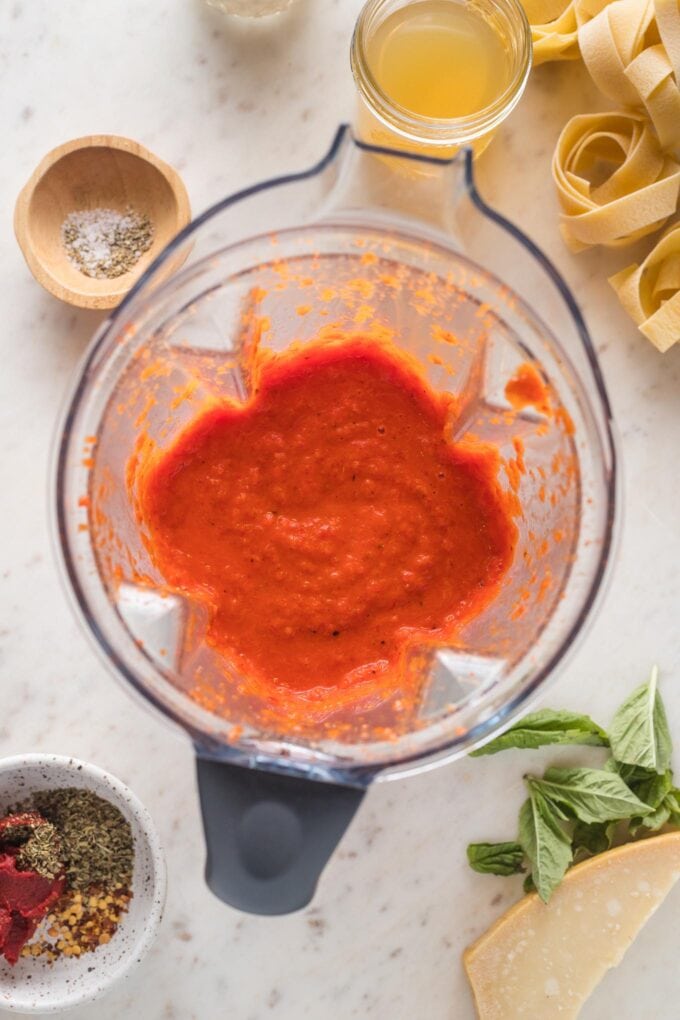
(329,522)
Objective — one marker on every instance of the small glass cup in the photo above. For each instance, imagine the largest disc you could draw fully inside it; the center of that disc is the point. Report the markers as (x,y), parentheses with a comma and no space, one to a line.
(250,8)
(380,121)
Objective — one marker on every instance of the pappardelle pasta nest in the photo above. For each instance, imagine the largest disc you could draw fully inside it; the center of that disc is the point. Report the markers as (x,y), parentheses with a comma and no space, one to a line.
(617,173)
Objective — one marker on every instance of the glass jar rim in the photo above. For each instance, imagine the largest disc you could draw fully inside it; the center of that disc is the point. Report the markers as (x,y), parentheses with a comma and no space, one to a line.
(434,130)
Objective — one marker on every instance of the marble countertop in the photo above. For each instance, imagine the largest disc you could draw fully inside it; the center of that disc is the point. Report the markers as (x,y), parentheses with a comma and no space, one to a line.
(228,103)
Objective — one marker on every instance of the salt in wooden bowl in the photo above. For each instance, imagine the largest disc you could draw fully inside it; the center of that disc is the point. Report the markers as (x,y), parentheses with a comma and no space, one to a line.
(96,172)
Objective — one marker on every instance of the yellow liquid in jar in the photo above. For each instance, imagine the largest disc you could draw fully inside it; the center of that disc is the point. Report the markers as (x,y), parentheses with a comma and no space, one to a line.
(439,59)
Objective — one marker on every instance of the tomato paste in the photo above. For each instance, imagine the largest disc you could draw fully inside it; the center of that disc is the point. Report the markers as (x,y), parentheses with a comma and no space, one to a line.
(25,899)
(329,521)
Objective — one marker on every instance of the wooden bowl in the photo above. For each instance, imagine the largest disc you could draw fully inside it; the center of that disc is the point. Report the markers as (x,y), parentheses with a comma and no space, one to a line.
(99,171)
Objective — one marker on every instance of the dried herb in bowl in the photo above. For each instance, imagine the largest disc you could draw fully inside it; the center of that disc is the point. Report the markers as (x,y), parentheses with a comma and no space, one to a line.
(42,851)
(67,856)
(97,841)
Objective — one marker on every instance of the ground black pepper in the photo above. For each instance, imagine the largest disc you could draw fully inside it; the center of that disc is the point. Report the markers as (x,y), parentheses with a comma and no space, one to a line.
(104,243)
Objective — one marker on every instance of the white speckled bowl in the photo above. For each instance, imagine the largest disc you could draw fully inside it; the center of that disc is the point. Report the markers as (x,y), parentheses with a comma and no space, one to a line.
(35,986)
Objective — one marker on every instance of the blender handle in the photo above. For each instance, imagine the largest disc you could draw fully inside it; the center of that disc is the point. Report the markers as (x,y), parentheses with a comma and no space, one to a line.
(268,835)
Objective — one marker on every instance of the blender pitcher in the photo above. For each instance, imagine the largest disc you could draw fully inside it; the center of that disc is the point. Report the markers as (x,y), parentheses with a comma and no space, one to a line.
(393,245)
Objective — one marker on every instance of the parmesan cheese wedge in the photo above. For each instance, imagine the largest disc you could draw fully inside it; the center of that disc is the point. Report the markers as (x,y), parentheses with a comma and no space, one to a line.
(543,960)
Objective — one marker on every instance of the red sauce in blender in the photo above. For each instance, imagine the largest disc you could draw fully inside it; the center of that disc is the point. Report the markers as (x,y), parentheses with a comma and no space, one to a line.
(328,522)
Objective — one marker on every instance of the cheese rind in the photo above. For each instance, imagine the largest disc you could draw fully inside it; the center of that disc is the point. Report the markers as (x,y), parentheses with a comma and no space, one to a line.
(543,960)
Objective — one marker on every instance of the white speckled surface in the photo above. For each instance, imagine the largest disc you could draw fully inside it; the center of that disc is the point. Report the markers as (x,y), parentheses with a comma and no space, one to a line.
(227,104)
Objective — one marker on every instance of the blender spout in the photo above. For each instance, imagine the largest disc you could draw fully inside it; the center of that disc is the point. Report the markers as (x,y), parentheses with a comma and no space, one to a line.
(368,183)
(268,835)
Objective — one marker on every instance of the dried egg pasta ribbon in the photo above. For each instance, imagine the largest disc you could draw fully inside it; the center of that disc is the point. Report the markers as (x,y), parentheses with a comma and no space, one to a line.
(610,40)
(554,26)
(556,38)
(650,292)
(638,195)
(668,24)
(621,49)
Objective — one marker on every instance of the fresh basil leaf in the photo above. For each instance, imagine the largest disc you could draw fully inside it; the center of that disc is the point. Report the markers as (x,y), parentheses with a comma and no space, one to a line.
(591,795)
(496,858)
(639,733)
(546,727)
(652,821)
(528,884)
(653,788)
(630,774)
(595,838)
(672,801)
(559,811)
(648,785)
(544,841)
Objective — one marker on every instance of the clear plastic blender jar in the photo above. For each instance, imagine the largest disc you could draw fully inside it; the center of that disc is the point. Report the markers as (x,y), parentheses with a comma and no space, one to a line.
(434,261)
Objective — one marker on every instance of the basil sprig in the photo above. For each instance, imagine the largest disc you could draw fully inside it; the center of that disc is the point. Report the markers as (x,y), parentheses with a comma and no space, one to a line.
(573,813)
(591,795)
(639,733)
(546,727)
(496,858)
(590,839)
(544,841)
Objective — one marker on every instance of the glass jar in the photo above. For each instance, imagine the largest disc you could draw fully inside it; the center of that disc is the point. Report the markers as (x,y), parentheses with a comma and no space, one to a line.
(382,121)
(251,8)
